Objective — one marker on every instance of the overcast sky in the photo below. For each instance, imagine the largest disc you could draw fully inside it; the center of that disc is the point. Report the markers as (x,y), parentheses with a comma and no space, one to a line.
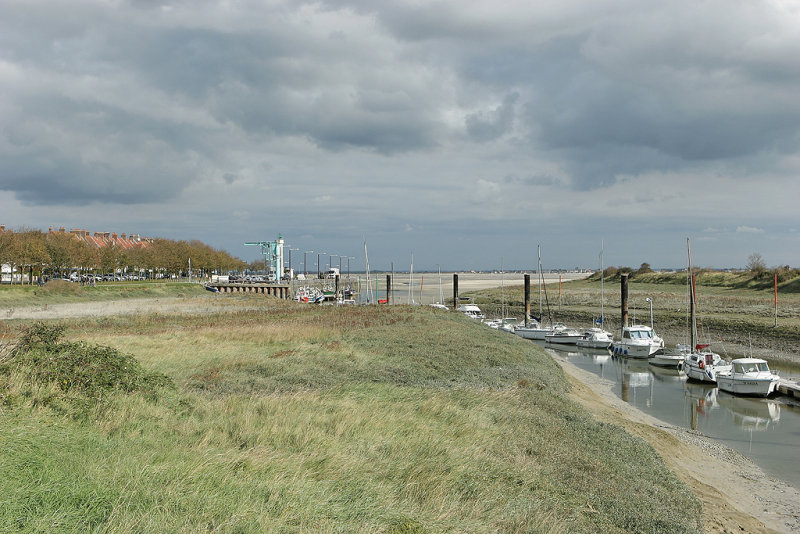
(465,132)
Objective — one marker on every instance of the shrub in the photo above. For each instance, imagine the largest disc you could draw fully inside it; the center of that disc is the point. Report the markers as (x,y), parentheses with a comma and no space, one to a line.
(78,366)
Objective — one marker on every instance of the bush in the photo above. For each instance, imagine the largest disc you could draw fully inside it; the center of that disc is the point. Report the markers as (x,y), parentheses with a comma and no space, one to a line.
(78,366)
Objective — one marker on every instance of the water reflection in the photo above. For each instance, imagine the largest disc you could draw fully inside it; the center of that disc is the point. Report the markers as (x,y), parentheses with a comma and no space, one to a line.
(765,430)
(751,414)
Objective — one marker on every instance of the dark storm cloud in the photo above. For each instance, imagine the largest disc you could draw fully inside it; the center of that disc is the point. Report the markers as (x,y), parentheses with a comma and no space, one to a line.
(392,110)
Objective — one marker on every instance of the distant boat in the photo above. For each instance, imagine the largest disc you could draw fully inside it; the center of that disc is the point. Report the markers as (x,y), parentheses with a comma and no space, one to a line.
(471,310)
(534,329)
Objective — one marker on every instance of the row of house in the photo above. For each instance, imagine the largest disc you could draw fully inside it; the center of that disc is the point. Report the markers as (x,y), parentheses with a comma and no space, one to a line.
(96,239)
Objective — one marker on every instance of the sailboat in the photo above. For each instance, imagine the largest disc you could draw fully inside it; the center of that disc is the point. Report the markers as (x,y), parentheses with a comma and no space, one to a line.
(700,363)
(439,304)
(369,296)
(534,329)
(598,338)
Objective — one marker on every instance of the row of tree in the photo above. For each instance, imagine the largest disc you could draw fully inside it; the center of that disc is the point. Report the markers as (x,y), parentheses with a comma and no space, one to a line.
(57,254)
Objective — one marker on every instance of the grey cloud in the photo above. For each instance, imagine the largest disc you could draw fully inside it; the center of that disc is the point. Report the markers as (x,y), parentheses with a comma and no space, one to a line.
(487,126)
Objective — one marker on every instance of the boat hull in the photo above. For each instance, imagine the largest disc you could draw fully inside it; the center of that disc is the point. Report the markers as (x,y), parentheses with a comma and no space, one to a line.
(567,339)
(670,361)
(753,387)
(533,333)
(634,350)
(593,343)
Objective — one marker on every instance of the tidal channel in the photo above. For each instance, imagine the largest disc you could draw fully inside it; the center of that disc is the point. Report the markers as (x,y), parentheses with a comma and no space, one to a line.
(765,430)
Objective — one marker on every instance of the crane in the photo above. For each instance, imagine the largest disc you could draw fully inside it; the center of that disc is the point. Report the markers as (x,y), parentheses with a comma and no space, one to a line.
(273,257)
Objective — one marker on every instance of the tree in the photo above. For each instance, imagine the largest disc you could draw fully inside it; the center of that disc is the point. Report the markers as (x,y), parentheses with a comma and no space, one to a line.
(756,264)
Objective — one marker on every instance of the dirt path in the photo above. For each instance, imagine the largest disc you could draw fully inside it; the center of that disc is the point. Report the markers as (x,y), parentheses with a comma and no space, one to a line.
(198,305)
(737,495)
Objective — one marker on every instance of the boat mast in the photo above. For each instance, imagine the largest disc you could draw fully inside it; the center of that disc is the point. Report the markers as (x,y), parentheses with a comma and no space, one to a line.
(411,281)
(539,269)
(441,291)
(692,302)
(502,291)
(366,264)
(602,278)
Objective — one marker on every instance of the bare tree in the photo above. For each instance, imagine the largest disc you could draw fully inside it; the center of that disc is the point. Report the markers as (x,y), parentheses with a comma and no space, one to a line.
(756,264)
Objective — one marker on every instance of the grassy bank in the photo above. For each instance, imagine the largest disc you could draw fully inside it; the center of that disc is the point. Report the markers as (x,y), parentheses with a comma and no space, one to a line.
(300,418)
(60,291)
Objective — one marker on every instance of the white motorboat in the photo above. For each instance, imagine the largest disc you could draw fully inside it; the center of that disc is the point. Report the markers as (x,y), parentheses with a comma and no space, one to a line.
(595,338)
(536,331)
(705,365)
(471,310)
(509,324)
(563,336)
(670,358)
(748,376)
(637,341)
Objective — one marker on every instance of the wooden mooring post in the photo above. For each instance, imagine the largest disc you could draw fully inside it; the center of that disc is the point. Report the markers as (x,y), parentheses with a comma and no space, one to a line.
(527,300)
(623,280)
(455,292)
(388,289)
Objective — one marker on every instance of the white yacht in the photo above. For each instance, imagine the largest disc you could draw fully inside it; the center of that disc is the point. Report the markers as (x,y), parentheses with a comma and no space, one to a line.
(705,365)
(748,376)
(700,363)
(563,336)
(471,310)
(536,331)
(595,338)
(670,358)
(637,341)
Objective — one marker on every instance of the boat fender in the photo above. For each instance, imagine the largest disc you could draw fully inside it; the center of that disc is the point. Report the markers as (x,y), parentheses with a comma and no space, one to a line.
(305,299)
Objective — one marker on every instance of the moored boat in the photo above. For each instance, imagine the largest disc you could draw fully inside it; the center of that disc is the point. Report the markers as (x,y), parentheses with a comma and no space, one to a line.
(595,338)
(748,376)
(471,310)
(637,341)
(705,365)
(563,336)
(670,358)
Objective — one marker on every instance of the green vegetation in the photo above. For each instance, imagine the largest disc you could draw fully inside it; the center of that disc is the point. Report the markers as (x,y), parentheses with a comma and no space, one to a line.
(299,418)
(59,291)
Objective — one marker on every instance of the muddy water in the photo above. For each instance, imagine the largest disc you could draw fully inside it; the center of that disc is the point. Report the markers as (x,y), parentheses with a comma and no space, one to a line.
(765,430)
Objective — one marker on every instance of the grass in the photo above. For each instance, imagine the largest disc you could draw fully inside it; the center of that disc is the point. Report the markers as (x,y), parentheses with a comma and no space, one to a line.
(60,291)
(322,419)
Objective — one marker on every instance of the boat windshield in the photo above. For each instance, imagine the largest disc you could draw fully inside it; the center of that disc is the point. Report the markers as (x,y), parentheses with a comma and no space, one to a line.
(641,334)
(763,367)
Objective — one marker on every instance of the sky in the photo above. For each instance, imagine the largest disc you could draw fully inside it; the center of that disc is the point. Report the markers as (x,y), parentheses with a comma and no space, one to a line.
(463,132)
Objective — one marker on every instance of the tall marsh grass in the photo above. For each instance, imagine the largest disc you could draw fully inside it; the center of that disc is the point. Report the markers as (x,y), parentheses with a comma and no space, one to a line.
(322,419)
